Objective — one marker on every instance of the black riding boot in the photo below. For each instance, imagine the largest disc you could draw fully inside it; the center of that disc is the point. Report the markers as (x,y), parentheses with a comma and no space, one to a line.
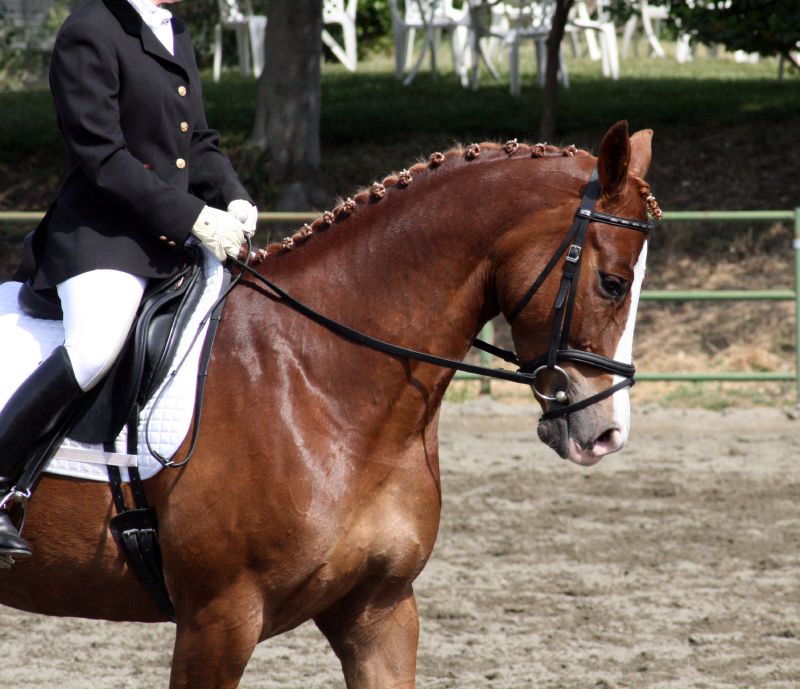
(30,423)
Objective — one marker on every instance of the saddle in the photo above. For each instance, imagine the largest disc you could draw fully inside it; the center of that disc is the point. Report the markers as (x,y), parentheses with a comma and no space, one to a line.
(135,377)
(143,363)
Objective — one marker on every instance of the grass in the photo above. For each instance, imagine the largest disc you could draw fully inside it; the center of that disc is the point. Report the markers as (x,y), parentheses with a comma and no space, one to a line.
(718,396)
(372,107)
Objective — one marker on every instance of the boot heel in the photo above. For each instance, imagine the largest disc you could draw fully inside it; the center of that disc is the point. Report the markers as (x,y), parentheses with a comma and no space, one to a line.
(11,543)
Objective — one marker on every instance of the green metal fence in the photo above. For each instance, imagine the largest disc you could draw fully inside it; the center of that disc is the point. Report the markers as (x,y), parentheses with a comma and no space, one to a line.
(778,294)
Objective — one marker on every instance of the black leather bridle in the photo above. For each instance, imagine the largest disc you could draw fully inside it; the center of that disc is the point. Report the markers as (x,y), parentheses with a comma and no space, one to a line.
(564,305)
(530,372)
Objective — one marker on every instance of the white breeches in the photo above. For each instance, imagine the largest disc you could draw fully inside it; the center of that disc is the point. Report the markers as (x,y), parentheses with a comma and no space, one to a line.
(99,309)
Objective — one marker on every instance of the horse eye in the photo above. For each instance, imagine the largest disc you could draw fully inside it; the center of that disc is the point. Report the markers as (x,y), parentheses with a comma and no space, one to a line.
(614,287)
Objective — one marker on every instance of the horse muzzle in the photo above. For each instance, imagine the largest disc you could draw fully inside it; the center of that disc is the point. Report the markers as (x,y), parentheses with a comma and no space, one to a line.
(581,437)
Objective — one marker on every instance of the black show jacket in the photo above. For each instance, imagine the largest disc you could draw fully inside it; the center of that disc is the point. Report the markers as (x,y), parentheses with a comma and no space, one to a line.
(141,159)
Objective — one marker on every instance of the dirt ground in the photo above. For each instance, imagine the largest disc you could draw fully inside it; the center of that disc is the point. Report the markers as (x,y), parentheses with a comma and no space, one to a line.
(673,565)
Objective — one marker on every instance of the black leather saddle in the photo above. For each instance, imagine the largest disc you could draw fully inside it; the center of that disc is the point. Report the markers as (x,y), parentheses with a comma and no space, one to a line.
(144,361)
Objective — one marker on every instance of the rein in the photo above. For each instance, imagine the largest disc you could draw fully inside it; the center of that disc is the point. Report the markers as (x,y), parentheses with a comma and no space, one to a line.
(529,372)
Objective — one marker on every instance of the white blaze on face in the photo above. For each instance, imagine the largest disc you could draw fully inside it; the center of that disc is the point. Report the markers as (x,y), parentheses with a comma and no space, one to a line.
(621,399)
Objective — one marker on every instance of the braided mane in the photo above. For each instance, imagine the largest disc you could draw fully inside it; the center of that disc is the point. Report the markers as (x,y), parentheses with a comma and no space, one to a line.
(400,180)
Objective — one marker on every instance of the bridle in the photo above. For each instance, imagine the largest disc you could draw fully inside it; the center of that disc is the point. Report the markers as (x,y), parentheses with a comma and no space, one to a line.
(564,305)
(530,372)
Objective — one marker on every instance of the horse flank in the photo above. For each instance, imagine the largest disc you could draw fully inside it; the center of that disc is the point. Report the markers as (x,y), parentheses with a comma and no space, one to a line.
(401,180)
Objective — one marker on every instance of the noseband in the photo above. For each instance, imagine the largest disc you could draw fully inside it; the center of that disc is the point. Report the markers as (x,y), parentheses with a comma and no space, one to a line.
(530,372)
(564,305)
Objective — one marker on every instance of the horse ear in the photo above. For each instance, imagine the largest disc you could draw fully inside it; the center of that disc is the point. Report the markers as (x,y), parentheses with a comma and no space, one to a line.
(641,152)
(612,163)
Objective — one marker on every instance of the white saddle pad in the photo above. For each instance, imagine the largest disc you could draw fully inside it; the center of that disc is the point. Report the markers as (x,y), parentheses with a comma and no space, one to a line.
(26,341)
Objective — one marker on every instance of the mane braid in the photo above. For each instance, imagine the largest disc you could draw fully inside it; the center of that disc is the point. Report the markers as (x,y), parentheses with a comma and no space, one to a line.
(405,178)
(653,209)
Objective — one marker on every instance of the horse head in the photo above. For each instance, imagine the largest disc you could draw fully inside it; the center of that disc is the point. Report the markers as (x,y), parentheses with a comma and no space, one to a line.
(467,239)
(594,314)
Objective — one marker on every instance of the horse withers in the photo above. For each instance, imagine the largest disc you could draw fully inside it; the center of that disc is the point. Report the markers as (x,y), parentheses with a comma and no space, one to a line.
(314,490)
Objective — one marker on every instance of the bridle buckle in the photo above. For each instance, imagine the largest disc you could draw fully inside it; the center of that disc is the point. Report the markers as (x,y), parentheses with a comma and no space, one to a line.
(574,253)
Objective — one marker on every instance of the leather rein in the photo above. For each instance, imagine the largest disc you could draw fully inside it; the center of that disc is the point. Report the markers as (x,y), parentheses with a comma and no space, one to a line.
(529,372)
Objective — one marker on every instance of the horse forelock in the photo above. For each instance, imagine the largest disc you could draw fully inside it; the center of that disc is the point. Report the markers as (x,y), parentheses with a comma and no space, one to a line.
(436,164)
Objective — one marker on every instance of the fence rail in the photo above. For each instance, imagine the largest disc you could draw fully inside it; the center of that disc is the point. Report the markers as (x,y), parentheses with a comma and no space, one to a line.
(781,294)
(784,294)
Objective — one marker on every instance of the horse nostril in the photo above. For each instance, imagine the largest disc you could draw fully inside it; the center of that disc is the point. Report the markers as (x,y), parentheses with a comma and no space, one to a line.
(606,437)
(607,442)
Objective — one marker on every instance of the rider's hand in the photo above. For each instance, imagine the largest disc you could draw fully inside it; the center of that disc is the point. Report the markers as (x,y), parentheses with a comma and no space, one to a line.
(246,213)
(220,232)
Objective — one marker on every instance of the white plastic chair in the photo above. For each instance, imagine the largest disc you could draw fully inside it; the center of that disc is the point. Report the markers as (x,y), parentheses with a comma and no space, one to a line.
(527,20)
(487,23)
(651,16)
(433,17)
(600,34)
(343,13)
(238,15)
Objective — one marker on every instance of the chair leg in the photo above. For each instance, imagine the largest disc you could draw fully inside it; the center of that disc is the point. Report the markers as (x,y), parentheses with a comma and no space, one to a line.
(435,39)
(562,69)
(350,45)
(411,35)
(595,51)
(541,61)
(458,46)
(683,50)
(399,52)
(513,68)
(609,54)
(348,55)
(650,32)
(243,46)
(217,51)
(257,26)
(627,35)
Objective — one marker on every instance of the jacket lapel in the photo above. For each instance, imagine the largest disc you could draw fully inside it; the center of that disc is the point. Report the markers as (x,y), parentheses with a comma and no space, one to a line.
(130,20)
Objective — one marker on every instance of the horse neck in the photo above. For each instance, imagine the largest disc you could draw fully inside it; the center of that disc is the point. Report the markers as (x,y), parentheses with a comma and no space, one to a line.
(415,268)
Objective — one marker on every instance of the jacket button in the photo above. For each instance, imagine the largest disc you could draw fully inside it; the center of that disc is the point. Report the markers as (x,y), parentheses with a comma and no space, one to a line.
(180,163)
(171,243)
(184,127)
(163,238)
(181,90)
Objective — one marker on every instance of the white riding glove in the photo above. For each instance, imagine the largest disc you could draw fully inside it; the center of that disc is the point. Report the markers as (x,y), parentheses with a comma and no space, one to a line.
(220,232)
(246,213)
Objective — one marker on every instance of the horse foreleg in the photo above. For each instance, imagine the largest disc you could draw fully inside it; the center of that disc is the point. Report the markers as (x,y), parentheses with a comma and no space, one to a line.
(214,644)
(376,641)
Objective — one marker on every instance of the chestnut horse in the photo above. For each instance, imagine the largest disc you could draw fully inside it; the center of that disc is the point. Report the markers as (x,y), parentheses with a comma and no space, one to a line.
(314,490)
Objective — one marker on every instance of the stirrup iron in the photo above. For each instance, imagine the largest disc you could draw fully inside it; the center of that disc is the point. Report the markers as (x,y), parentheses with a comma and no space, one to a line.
(21,497)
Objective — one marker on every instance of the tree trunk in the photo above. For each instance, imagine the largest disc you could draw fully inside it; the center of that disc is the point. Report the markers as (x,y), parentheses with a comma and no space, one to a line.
(547,125)
(287,118)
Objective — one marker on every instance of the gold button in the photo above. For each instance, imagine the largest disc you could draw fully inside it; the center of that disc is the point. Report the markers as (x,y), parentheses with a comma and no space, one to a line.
(163,238)
(180,163)
(184,127)
(181,90)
